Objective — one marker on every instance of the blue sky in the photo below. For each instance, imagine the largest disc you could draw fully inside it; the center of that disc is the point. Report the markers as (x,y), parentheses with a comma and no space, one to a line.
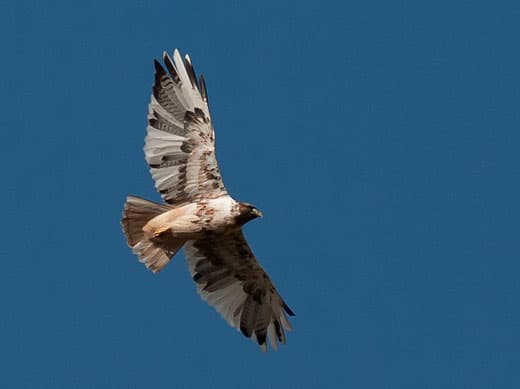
(380,139)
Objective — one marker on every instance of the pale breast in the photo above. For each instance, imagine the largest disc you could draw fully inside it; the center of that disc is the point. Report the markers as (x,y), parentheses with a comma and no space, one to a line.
(217,214)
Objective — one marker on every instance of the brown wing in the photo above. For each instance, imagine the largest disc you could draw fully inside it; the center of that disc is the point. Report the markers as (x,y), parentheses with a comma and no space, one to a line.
(180,142)
(230,279)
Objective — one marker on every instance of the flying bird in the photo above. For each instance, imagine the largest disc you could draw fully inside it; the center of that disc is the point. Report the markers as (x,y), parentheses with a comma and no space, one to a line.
(198,213)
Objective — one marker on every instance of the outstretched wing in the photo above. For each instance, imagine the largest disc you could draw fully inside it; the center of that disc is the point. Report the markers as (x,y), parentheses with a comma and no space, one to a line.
(180,142)
(230,279)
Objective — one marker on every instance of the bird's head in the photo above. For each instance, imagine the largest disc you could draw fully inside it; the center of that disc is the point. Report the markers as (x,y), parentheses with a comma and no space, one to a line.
(246,213)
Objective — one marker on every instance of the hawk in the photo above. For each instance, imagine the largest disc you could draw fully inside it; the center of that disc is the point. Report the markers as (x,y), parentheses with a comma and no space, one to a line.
(198,213)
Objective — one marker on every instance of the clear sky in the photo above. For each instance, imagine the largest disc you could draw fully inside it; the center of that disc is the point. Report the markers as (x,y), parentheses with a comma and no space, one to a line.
(380,139)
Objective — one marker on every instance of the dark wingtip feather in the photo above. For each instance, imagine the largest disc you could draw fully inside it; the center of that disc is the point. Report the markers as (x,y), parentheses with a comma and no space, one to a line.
(158,67)
(169,65)
(159,73)
(279,331)
(246,331)
(203,90)
(191,71)
(261,336)
(287,309)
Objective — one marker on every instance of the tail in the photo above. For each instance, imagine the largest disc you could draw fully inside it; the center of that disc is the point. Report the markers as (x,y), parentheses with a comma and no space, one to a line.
(153,252)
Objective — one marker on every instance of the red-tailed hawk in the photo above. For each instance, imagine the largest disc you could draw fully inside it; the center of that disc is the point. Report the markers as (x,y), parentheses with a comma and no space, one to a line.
(199,214)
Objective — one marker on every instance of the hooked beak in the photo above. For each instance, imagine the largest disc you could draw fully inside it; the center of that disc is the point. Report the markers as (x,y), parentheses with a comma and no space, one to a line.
(256,212)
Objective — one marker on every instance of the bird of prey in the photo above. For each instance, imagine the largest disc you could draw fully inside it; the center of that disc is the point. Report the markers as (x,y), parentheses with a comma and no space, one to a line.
(198,213)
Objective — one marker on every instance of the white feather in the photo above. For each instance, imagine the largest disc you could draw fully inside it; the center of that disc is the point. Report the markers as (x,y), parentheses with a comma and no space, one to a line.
(271,334)
(193,97)
(154,106)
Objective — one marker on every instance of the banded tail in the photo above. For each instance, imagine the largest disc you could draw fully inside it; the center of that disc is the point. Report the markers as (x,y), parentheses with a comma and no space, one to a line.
(154,252)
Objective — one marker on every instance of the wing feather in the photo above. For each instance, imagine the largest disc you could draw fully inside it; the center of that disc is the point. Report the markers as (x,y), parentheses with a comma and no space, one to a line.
(171,67)
(180,141)
(191,71)
(230,279)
